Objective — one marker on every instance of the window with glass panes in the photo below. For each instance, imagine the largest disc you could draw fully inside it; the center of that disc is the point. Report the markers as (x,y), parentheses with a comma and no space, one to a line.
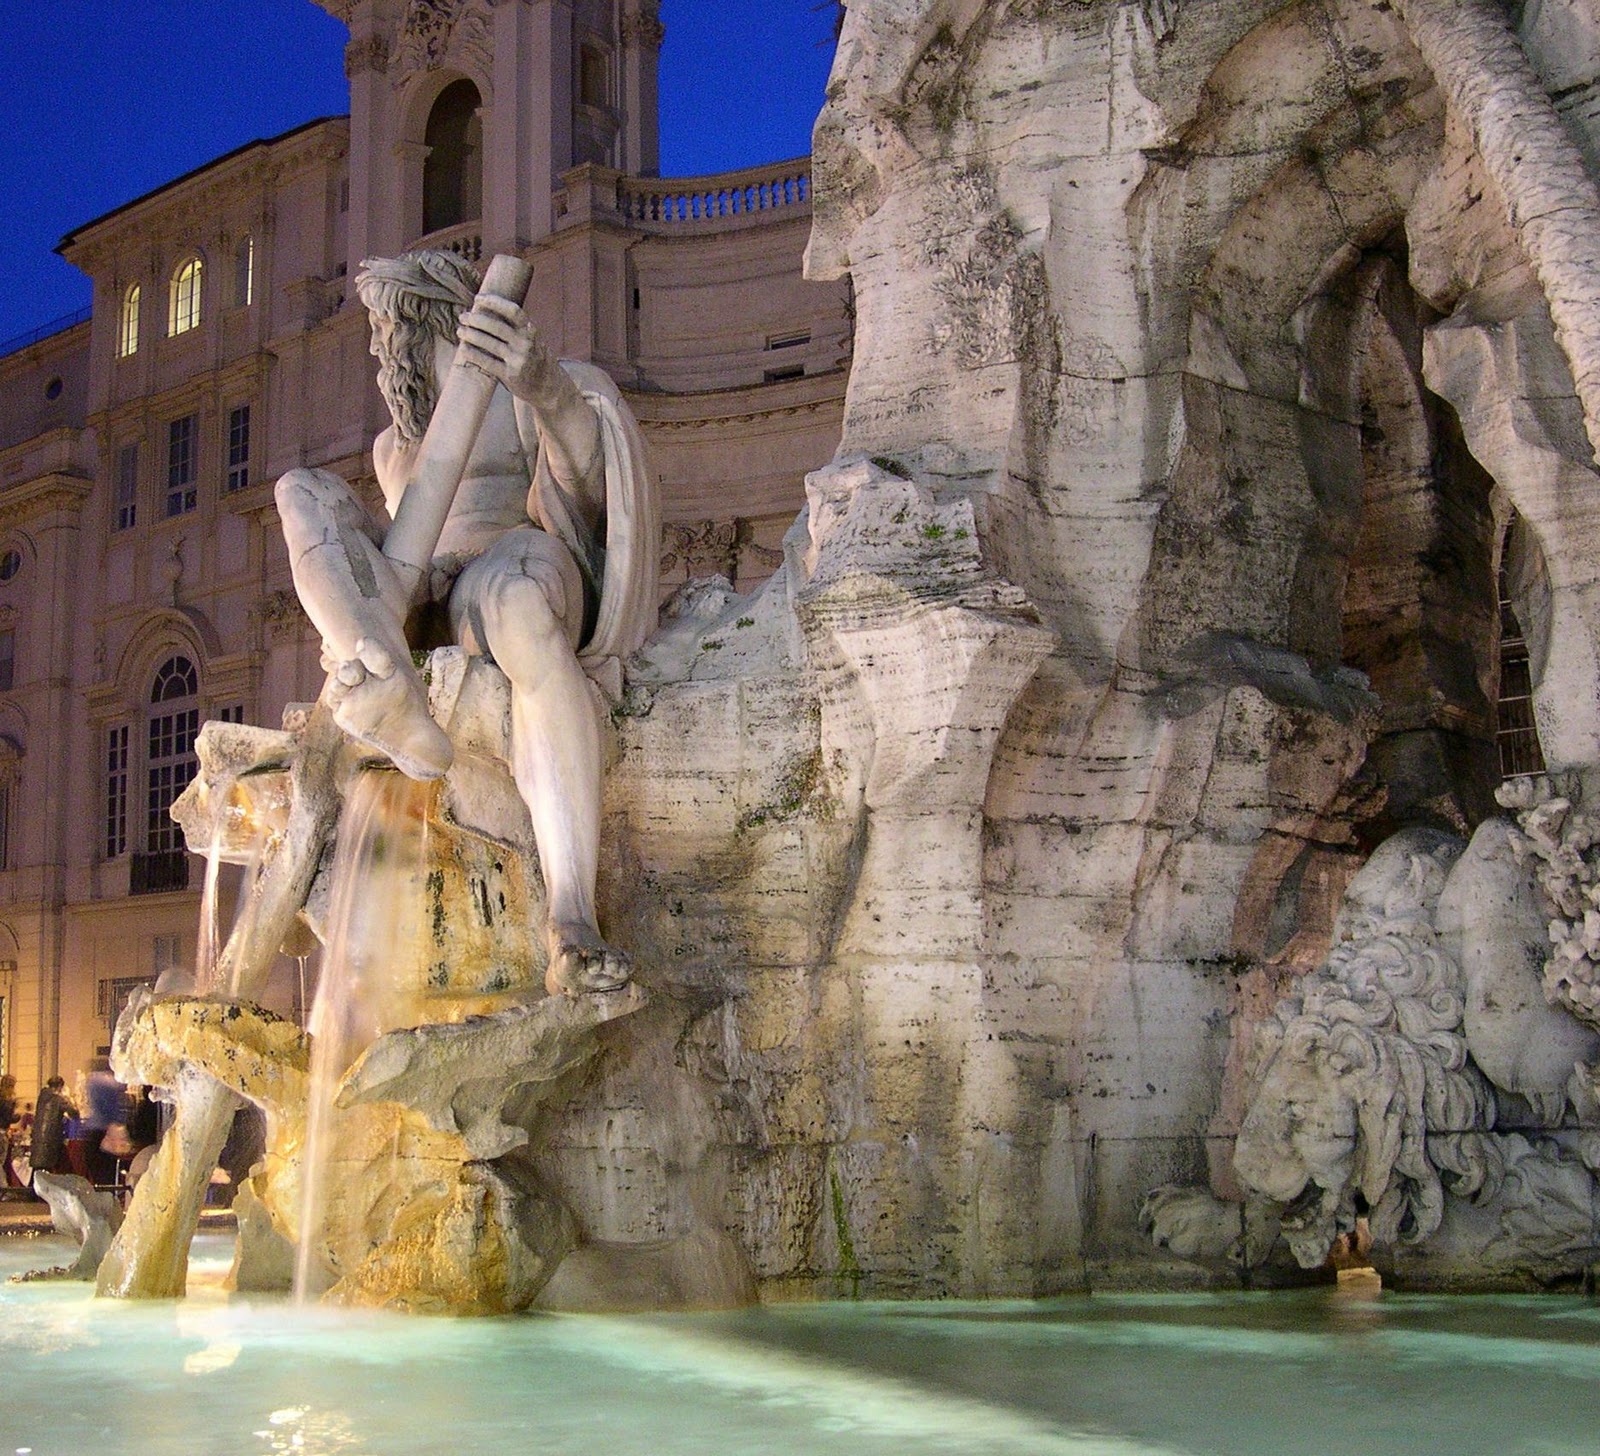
(238,473)
(8,660)
(244,273)
(128,324)
(1516,733)
(181,464)
(127,511)
(174,725)
(117,791)
(183,298)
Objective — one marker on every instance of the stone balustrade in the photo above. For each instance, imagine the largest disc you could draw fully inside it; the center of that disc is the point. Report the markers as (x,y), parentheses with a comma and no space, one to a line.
(721,202)
(464,238)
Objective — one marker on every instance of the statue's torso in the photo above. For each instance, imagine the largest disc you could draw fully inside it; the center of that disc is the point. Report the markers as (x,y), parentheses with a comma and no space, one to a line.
(493,497)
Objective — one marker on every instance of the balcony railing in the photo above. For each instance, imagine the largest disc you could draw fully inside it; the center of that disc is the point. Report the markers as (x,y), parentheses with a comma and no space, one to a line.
(465,238)
(18,342)
(722,202)
(155,874)
(712,199)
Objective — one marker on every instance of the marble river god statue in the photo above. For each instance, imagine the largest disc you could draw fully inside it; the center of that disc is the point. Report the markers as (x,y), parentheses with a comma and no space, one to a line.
(525,533)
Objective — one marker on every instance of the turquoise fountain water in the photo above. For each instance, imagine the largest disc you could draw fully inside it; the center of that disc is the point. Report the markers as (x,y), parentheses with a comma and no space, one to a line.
(1290,1374)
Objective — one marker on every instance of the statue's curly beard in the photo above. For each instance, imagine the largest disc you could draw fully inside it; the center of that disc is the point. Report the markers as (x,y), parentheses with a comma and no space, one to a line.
(407,383)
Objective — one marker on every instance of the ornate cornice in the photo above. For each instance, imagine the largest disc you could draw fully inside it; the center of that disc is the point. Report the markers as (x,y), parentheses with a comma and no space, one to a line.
(437,31)
(54,491)
(643,29)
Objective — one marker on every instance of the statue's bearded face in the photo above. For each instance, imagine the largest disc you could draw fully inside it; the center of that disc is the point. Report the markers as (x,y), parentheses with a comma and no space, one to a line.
(406,375)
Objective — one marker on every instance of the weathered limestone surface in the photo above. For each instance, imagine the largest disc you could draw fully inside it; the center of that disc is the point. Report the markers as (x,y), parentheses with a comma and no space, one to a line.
(1208,358)
(82,1212)
(1015,850)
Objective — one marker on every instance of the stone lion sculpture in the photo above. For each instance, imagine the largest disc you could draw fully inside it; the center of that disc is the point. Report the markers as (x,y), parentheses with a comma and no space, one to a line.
(1368,1101)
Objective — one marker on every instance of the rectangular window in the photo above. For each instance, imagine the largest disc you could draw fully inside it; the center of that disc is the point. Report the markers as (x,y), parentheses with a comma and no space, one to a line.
(117,792)
(165,953)
(181,464)
(127,486)
(233,713)
(238,473)
(172,765)
(1516,732)
(789,341)
(8,660)
(593,76)
(6,787)
(113,995)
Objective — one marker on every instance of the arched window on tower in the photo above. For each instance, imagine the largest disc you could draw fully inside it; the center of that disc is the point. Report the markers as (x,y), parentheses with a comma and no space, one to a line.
(172,725)
(128,323)
(452,175)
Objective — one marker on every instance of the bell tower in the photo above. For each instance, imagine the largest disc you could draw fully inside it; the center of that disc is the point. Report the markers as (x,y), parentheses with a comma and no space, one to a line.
(465,114)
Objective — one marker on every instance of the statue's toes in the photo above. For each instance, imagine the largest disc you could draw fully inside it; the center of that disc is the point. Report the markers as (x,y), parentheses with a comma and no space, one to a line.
(581,970)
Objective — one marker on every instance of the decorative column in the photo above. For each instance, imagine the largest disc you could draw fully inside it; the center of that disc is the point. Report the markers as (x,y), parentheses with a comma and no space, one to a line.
(639,95)
(373,214)
(530,141)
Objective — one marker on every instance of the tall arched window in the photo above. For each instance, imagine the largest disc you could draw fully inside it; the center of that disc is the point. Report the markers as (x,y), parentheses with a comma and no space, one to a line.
(128,323)
(452,175)
(172,725)
(183,298)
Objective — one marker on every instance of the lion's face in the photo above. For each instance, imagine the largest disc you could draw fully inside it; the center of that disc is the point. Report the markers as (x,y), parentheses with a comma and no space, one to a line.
(1299,1142)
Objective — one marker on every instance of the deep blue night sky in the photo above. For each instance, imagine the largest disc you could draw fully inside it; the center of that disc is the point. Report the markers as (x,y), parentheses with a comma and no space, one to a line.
(105,100)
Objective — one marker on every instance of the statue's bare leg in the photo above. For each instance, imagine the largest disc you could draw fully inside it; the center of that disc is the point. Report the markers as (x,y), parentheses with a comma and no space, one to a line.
(355,600)
(522,604)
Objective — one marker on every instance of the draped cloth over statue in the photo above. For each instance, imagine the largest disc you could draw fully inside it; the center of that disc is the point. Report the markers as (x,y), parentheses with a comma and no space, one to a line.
(621,566)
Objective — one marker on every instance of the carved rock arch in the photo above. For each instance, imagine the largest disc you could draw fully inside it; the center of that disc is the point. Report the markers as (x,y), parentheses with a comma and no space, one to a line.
(1274,207)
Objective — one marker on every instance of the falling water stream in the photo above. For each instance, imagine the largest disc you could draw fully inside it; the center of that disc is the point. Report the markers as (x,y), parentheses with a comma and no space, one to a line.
(209,947)
(375,931)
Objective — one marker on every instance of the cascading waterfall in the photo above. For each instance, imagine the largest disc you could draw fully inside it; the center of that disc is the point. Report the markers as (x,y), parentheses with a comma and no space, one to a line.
(375,925)
(231,830)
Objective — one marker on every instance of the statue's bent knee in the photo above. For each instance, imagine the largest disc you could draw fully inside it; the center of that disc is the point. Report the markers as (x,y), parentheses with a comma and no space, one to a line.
(306,490)
(530,605)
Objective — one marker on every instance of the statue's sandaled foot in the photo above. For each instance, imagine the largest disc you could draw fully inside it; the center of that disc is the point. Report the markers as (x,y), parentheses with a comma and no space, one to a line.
(389,711)
(581,963)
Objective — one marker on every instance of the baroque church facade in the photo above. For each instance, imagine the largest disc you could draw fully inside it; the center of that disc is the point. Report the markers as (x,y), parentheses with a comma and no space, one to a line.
(144,586)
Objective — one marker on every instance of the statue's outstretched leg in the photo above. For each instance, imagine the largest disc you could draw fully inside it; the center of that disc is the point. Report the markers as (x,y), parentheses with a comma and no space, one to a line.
(355,599)
(522,604)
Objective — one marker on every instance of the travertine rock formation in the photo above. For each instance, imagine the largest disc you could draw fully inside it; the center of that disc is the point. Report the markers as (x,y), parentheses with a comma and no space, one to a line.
(1209,356)
(1214,359)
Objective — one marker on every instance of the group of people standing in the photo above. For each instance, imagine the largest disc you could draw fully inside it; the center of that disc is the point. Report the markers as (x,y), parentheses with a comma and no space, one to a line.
(113,1125)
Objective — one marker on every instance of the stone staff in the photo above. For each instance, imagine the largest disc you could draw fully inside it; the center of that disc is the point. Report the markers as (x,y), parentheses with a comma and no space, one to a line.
(442,456)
